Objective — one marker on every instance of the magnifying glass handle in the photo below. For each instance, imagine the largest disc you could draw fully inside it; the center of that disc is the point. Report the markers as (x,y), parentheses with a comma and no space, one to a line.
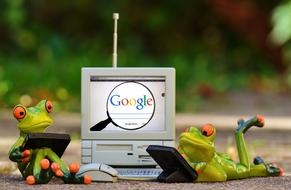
(101,125)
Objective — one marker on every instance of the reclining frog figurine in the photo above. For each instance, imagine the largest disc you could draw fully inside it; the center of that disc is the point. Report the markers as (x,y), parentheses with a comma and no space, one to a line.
(38,166)
(197,147)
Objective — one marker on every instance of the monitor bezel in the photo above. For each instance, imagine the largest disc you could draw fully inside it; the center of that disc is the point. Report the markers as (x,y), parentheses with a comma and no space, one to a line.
(167,134)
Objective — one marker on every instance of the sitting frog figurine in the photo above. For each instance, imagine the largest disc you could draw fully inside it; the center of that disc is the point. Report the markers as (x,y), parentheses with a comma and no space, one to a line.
(38,166)
(197,147)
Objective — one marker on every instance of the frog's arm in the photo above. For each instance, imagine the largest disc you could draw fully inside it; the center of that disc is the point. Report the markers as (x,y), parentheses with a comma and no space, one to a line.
(21,157)
(197,166)
(207,172)
(18,155)
(17,144)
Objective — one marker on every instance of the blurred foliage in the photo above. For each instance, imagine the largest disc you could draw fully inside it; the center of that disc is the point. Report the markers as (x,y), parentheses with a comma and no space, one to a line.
(45,43)
(281,33)
(282,23)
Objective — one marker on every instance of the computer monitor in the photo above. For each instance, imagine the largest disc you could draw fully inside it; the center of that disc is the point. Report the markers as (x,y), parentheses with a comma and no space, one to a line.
(123,111)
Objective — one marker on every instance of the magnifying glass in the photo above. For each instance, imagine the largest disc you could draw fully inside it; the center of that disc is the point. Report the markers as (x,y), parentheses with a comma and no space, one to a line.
(130,106)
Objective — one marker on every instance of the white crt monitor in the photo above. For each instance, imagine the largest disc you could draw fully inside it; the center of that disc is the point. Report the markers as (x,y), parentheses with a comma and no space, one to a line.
(123,111)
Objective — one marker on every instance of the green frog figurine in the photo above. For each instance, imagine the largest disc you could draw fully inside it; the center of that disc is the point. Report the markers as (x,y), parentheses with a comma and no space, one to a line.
(38,166)
(197,147)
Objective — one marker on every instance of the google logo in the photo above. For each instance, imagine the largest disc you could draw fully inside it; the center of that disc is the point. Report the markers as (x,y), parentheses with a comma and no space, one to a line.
(130,106)
(139,103)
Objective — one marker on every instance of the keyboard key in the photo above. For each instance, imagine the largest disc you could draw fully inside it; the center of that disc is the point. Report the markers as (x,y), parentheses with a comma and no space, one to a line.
(139,173)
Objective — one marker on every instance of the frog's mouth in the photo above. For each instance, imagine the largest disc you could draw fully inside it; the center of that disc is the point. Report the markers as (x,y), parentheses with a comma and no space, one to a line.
(42,124)
(37,127)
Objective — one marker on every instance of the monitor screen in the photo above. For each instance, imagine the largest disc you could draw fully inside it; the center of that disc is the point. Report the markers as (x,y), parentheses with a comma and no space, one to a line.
(127,103)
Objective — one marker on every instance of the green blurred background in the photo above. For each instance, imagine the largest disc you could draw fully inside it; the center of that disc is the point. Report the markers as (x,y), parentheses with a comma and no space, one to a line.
(217,46)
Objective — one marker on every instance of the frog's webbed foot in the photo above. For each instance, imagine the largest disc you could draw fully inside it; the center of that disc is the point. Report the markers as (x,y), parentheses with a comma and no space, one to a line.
(272,168)
(243,126)
(70,177)
(43,176)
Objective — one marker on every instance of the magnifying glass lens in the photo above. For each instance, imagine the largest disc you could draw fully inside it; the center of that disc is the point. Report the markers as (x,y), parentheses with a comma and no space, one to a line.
(130,105)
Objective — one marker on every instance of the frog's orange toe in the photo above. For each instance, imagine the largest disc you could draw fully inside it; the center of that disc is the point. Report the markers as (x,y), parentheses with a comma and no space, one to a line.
(74,167)
(44,164)
(30,180)
(55,167)
(25,153)
(261,120)
(25,160)
(87,179)
(281,171)
(59,173)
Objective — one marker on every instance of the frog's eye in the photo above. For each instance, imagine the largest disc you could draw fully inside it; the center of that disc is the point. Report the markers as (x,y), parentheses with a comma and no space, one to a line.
(207,130)
(48,106)
(19,112)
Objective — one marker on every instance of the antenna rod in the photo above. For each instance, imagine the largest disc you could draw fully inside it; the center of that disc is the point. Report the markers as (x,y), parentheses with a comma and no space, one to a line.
(114,55)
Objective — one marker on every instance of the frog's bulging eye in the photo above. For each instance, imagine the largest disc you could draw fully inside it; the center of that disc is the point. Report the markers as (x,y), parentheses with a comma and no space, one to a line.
(207,130)
(19,112)
(48,106)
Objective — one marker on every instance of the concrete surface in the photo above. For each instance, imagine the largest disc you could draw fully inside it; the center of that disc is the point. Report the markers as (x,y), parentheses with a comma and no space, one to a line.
(13,182)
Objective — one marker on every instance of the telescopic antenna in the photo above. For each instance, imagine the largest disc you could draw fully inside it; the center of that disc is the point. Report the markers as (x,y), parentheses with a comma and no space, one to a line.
(114,55)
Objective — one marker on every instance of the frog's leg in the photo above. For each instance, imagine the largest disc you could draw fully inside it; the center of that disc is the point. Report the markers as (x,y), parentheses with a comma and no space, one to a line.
(270,169)
(40,169)
(260,168)
(61,171)
(243,126)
